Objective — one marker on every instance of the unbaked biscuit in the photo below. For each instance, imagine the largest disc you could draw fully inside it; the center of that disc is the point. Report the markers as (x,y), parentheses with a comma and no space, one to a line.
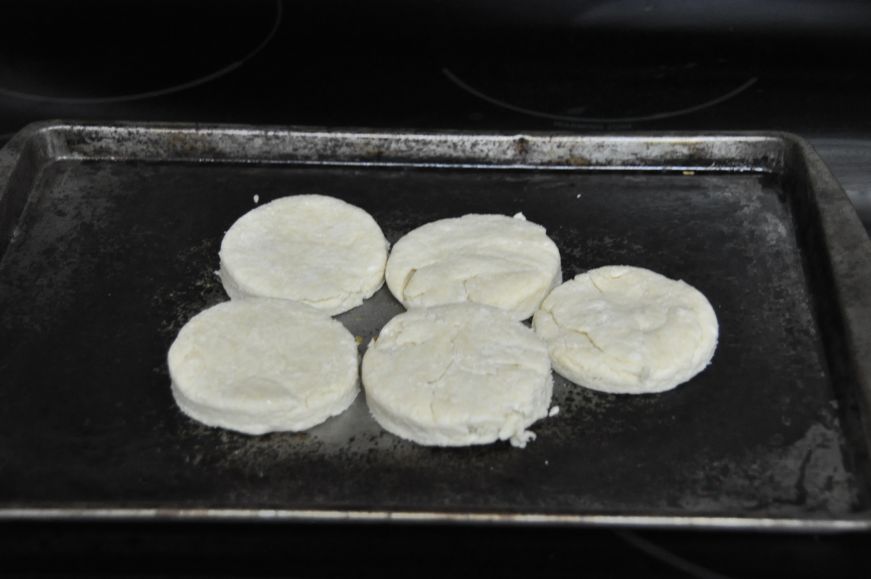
(494,260)
(262,365)
(457,375)
(627,330)
(313,249)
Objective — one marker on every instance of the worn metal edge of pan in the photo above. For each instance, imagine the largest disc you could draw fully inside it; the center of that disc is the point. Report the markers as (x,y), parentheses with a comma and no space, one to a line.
(848,254)
(849,250)
(177,142)
(410,517)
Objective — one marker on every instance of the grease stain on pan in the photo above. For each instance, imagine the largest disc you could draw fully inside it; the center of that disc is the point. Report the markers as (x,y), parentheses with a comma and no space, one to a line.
(805,473)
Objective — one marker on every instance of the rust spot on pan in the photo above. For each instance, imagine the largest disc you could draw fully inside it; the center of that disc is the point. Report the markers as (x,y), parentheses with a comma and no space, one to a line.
(578,161)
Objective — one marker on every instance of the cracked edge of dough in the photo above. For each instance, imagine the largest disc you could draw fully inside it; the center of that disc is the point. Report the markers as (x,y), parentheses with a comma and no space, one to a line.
(343,302)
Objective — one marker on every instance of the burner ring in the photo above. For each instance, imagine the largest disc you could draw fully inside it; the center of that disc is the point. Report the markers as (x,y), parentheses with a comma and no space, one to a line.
(570,118)
(279,9)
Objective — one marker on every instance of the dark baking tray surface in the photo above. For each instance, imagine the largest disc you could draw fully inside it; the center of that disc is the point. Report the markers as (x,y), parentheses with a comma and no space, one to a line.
(110,237)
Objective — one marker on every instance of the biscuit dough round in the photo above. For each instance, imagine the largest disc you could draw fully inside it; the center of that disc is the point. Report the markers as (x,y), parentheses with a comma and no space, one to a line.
(495,260)
(313,249)
(457,375)
(263,365)
(627,330)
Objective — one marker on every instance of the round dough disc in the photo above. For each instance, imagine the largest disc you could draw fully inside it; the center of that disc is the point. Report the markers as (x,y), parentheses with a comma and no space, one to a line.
(495,260)
(456,375)
(262,365)
(627,330)
(313,249)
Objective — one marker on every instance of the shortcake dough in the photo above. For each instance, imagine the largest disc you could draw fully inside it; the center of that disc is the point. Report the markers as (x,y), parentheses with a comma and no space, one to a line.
(456,375)
(262,365)
(509,263)
(314,249)
(627,330)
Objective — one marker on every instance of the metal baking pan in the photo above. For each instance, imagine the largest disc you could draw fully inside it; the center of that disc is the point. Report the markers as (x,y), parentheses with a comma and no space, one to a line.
(110,236)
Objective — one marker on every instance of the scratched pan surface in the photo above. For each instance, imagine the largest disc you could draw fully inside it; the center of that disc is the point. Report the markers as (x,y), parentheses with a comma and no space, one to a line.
(111,254)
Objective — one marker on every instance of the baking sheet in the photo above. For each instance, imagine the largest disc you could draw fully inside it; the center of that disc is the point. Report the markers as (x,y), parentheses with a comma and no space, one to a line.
(113,237)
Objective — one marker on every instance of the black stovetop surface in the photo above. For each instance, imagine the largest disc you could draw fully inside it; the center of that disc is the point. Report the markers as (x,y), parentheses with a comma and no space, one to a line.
(443,65)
